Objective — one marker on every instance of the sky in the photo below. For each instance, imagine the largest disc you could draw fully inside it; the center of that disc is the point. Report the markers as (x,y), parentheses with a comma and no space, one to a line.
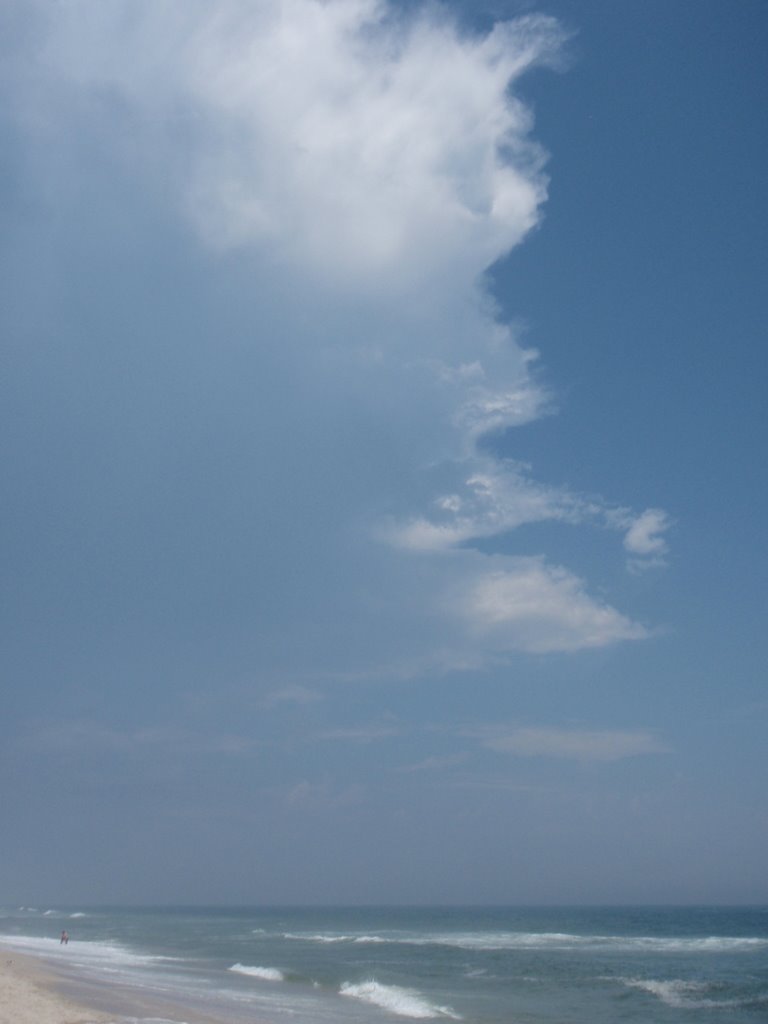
(382,448)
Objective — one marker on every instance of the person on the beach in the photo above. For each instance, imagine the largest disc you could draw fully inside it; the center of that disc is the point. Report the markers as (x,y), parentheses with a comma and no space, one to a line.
(64,938)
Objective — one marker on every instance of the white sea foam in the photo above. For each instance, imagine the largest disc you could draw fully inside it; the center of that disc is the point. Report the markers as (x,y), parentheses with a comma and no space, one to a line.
(106,955)
(626,943)
(711,944)
(507,940)
(148,1020)
(681,995)
(264,973)
(401,1001)
(674,993)
(78,914)
(490,941)
(688,994)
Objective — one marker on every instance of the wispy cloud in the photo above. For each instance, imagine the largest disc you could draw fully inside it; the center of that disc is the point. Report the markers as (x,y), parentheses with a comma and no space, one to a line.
(292,694)
(578,744)
(318,796)
(82,737)
(498,496)
(644,540)
(435,763)
(362,734)
(535,607)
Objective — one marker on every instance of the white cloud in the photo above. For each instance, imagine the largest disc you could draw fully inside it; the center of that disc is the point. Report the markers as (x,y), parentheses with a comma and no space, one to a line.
(485,410)
(377,140)
(534,607)
(497,497)
(494,499)
(373,148)
(372,163)
(643,536)
(599,745)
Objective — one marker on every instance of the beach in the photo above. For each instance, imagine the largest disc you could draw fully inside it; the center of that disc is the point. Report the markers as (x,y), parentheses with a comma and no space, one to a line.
(36,990)
(373,965)
(28,995)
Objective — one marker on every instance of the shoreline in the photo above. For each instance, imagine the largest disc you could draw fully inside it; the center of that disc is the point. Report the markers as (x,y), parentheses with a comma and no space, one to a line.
(39,990)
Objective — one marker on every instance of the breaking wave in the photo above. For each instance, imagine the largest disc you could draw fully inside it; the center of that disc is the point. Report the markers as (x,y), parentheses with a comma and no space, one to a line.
(265,973)
(490,941)
(687,995)
(106,955)
(401,1001)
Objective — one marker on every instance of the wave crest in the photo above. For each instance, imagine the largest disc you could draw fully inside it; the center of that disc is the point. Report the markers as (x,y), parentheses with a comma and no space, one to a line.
(265,973)
(489,941)
(402,1001)
(685,995)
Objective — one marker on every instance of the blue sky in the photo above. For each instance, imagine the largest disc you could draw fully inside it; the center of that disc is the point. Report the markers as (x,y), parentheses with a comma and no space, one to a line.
(382,447)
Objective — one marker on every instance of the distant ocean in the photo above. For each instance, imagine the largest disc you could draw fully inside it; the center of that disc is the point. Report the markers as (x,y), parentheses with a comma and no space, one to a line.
(368,965)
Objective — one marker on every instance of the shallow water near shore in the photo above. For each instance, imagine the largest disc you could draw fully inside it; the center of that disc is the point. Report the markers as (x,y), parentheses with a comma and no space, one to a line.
(367,965)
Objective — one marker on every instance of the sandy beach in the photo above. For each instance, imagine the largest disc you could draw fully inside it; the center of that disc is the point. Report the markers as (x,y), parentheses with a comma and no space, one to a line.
(28,995)
(35,990)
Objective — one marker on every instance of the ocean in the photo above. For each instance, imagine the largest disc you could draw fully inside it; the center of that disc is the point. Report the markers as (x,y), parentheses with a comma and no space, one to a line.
(365,965)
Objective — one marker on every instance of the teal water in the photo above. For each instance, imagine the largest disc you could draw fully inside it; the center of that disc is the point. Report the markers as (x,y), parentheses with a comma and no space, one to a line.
(479,965)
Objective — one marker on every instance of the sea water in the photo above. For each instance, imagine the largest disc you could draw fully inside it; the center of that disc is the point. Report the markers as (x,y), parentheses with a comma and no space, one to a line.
(367,965)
